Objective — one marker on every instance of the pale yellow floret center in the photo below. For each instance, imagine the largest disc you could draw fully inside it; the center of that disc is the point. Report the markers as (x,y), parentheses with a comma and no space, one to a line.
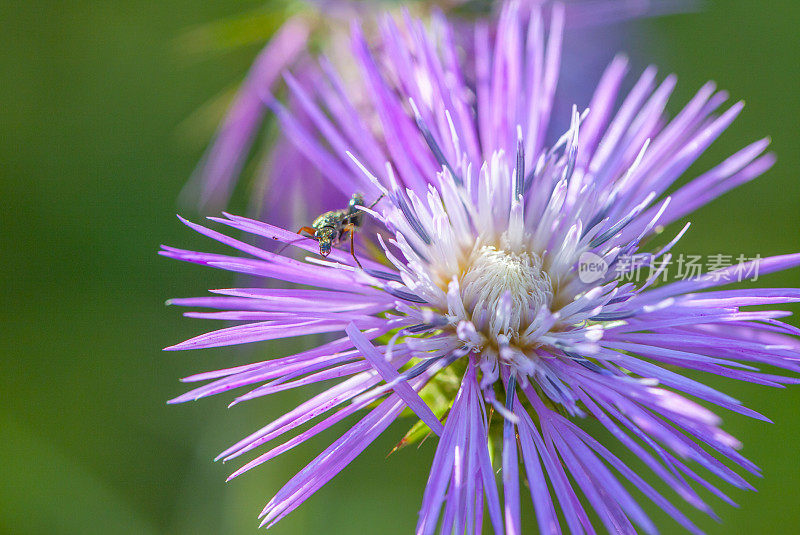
(493,274)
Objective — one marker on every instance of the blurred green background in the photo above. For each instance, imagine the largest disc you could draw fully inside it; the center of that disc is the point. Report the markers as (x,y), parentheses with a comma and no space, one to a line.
(91,96)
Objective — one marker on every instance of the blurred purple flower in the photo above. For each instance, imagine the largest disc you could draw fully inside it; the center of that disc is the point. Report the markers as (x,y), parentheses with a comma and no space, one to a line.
(282,168)
(471,291)
(228,151)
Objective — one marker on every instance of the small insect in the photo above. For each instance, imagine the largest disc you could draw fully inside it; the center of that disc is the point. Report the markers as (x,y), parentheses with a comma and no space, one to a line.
(331,228)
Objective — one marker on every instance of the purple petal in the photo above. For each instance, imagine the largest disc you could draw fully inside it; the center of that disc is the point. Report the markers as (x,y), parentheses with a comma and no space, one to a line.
(390,375)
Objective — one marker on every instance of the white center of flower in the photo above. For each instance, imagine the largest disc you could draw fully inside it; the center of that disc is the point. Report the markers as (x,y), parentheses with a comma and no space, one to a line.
(504,290)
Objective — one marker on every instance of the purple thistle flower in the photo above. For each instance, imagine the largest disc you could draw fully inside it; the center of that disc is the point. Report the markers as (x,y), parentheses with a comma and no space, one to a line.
(472,308)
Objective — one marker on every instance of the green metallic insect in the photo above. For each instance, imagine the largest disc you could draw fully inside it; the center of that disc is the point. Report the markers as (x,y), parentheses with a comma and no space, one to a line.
(331,228)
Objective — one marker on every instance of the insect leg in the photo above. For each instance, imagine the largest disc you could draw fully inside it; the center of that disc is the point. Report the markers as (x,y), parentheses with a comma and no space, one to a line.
(351,228)
(307,230)
(376,201)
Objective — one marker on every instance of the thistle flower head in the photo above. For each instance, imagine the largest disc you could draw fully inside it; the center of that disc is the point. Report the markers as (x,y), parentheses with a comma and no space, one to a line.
(467,287)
